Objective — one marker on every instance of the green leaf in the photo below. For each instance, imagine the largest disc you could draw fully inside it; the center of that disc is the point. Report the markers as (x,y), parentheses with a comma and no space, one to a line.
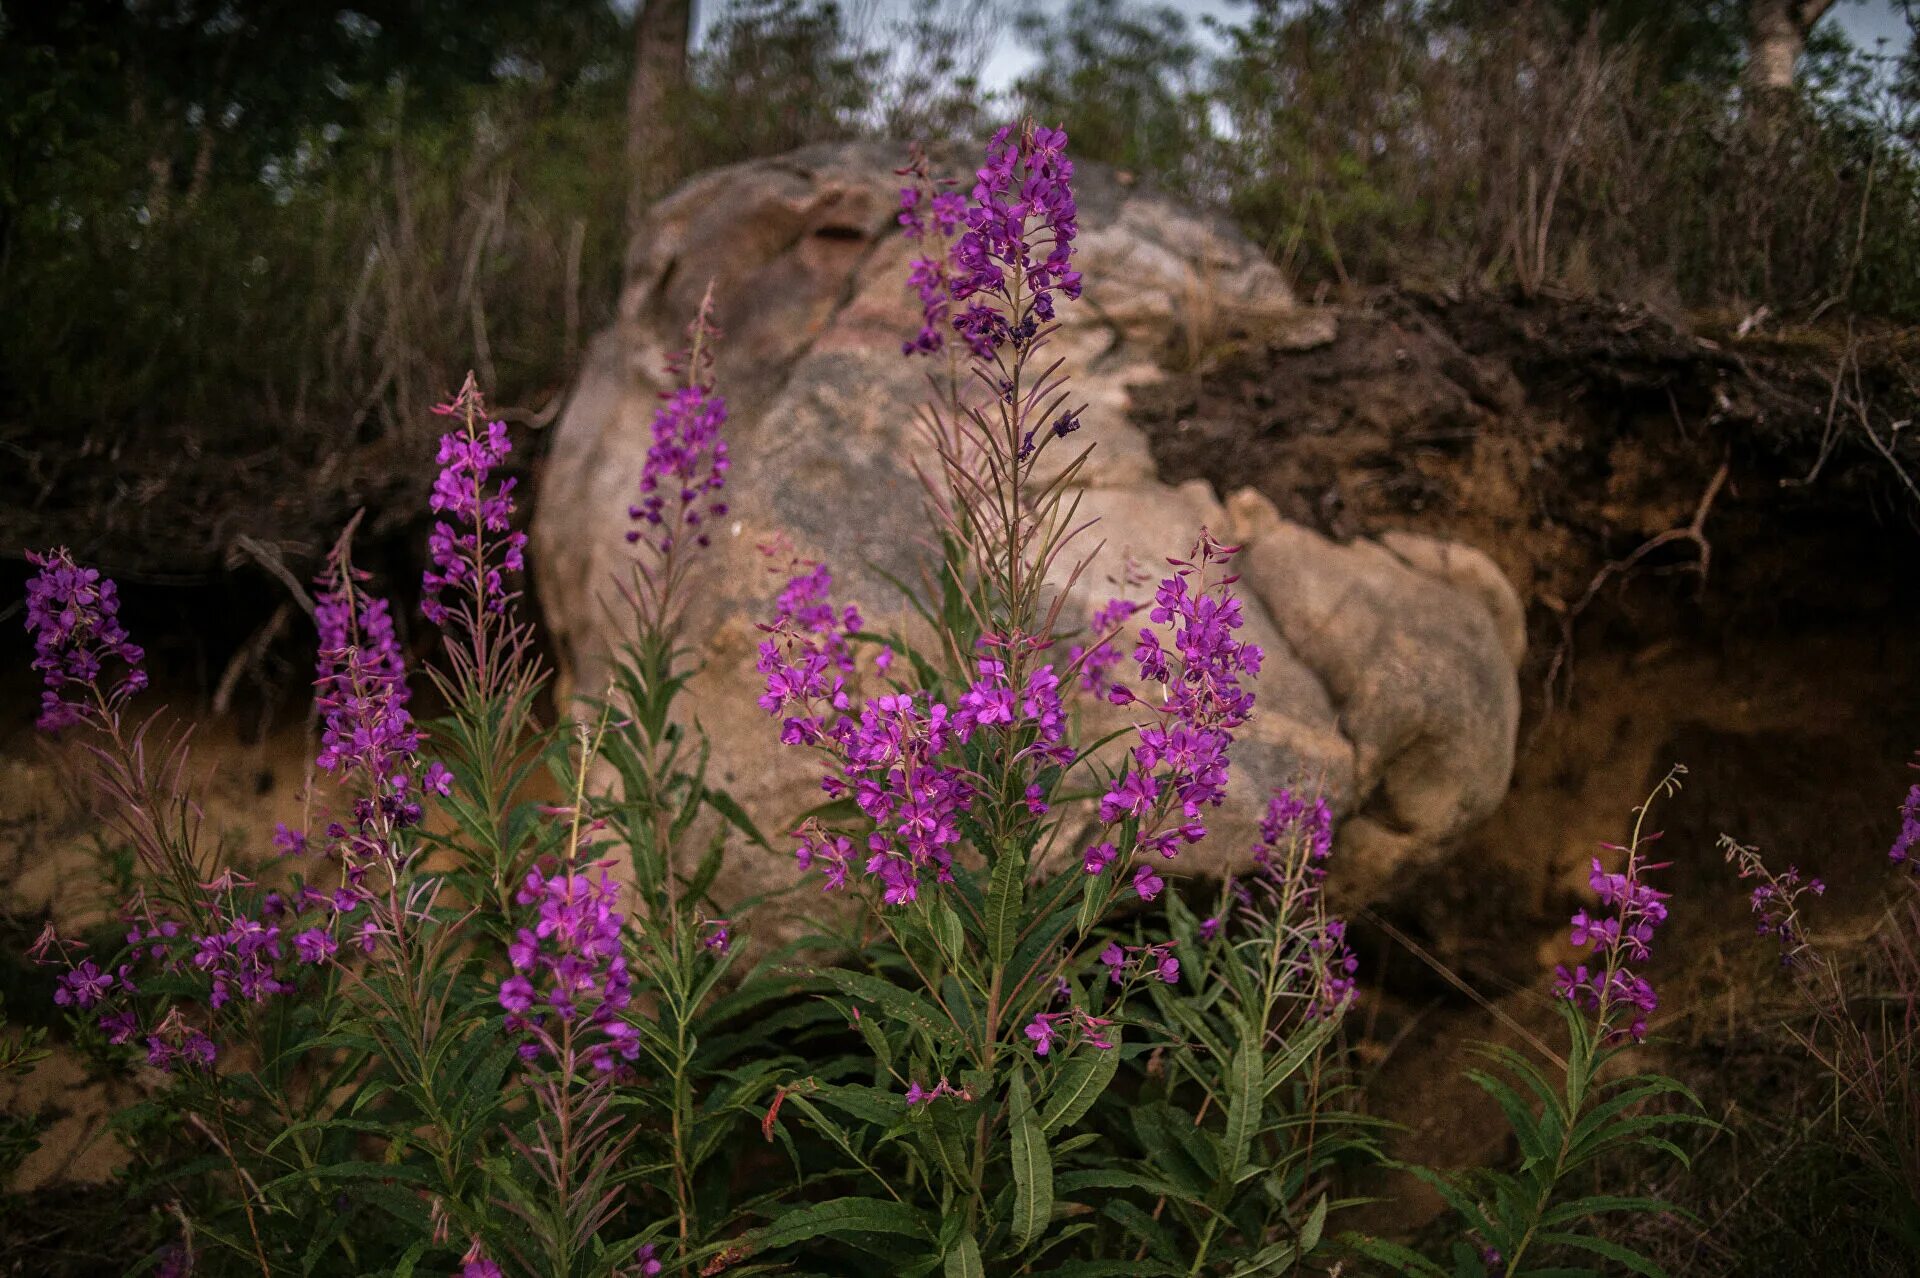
(1403,1259)
(1092,893)
(902,1004)
(945,1141)
(1004,900)
(947,930)
(1595,1204)
(404,1268)
(963,1259)
(1245,1096)
(1032,1169)
(1533,1141)
(1141,1225)
(736,816)
(839,1217)
(1176,1147)
(1613,1251)
(1299,1050)
(1316,1225)
(1120,1178)
(1079,1082)
(707,871)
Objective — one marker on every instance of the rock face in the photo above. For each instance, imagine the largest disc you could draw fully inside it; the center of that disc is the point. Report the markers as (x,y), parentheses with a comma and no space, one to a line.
(1390,667)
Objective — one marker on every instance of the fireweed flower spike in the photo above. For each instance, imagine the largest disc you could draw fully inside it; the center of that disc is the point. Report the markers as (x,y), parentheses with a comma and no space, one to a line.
(1179,766)
(931,214)
(360,694)
(1608,986)
(1906,844)
(1018,243)
(475,545)
(1296,841)
(1774,900)
(570,972)
(73,614)
(683,478)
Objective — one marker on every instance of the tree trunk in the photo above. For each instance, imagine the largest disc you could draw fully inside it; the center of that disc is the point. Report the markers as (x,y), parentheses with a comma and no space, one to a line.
(662,31)
(1777,35)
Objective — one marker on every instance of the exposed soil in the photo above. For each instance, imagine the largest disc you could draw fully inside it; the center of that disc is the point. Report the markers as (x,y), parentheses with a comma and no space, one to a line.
(1771,655)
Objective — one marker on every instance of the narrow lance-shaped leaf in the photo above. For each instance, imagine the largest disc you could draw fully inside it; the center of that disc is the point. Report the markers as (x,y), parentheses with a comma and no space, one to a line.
(1003,908)
(1032,1169)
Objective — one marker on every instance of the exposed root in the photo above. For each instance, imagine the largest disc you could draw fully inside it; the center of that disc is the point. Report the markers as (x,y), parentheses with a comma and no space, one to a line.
(1693,531)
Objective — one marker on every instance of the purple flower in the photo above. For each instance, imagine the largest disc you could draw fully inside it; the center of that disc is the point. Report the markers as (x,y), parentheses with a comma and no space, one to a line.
(1298,824)
(120,1027)
(471,553)
(1098,661)
(1180,764)
(1209,928)
(831,853)
(315,945)
(1042,1032)
(1905,843)
(1296,839)
(1775,900)
(1098,858)
(1610,989)
(437,779)
(650,1267)
(1334,969)
(1169,970)
(476,1265)
(289,841)
(720,938)
(240,956)
(1018,245)
(83,986)
(918,1095)
(888,764)
(684,473)
(1147,883)
(929,213)
(73,614)
(1093,1029)
(1132,796)
(573,967)
(174,1042)
(360,693)
(809,655)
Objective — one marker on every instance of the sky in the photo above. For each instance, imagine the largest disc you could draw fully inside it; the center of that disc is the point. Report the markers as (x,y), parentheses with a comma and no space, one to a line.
(1864,21)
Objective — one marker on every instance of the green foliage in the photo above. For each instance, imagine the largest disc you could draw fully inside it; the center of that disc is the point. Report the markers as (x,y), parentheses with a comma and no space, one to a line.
(1126,84)
(1597,147)
(1513,1221)
(20,1051)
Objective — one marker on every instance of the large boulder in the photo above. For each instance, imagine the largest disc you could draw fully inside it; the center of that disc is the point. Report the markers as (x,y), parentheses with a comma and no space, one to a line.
(1390,679)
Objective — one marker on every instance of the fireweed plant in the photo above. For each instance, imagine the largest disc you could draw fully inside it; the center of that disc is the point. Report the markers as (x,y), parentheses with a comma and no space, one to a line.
(482,1015)
(436,1035)
(1570,1113)
(1868,1048)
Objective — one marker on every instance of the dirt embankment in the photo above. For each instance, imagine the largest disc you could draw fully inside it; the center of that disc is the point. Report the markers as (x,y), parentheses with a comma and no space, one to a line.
(1715,537)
